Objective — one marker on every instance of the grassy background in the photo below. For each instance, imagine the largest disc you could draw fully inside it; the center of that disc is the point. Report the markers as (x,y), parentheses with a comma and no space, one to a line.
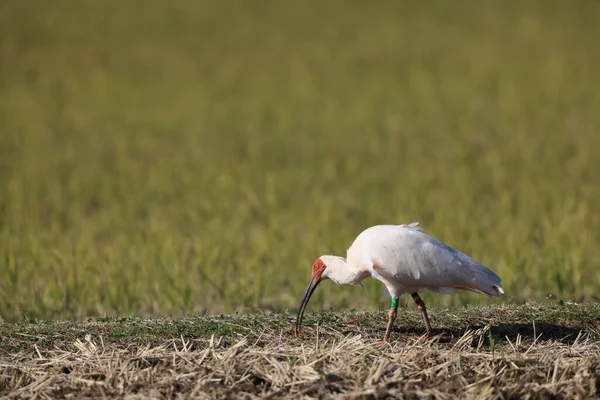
(198,156)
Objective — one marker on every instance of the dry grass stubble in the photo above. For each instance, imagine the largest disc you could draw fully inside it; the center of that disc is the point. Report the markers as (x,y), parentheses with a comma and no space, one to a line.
(328,362)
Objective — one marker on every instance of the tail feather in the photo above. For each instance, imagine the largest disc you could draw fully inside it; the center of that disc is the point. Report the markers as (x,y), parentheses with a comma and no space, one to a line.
(477,277)
(486,280)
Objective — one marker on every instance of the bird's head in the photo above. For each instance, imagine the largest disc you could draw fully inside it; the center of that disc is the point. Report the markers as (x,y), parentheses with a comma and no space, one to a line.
(322,268)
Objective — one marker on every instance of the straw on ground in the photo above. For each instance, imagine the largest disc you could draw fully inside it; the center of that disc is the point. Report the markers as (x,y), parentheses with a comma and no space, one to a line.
(501,352)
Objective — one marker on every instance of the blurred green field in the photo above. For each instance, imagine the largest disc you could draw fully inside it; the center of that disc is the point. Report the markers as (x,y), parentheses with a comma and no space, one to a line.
(198,156)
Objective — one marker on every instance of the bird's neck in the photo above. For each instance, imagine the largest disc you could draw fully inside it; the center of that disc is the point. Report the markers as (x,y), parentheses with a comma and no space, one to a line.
(344,273)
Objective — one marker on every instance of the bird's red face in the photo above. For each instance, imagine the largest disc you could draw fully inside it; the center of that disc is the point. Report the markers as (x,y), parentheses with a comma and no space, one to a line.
(317,269)
(317,273)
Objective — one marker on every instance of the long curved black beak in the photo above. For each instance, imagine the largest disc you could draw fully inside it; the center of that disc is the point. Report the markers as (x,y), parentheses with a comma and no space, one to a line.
(312,285)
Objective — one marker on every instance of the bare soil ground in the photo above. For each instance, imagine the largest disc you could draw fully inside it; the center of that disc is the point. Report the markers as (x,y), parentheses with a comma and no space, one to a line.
(501,352)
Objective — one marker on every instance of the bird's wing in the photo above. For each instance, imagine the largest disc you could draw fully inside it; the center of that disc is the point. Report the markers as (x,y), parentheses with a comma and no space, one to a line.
(426,262)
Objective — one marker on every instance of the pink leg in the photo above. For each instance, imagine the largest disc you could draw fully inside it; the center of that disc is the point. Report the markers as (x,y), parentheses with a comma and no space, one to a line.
(391,318)
(421,307)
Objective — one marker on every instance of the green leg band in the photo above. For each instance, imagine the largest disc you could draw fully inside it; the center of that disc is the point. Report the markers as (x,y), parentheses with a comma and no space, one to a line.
(395,304)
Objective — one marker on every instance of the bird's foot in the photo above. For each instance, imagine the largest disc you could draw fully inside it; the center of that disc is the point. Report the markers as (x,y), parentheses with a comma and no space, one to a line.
(427,337)
(422,338)
(386,339)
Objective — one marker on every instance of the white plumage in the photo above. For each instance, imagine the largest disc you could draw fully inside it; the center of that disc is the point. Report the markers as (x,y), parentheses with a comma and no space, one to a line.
(405,260)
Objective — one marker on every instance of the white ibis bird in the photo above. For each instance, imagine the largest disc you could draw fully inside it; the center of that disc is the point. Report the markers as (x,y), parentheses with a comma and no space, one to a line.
(406,260)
